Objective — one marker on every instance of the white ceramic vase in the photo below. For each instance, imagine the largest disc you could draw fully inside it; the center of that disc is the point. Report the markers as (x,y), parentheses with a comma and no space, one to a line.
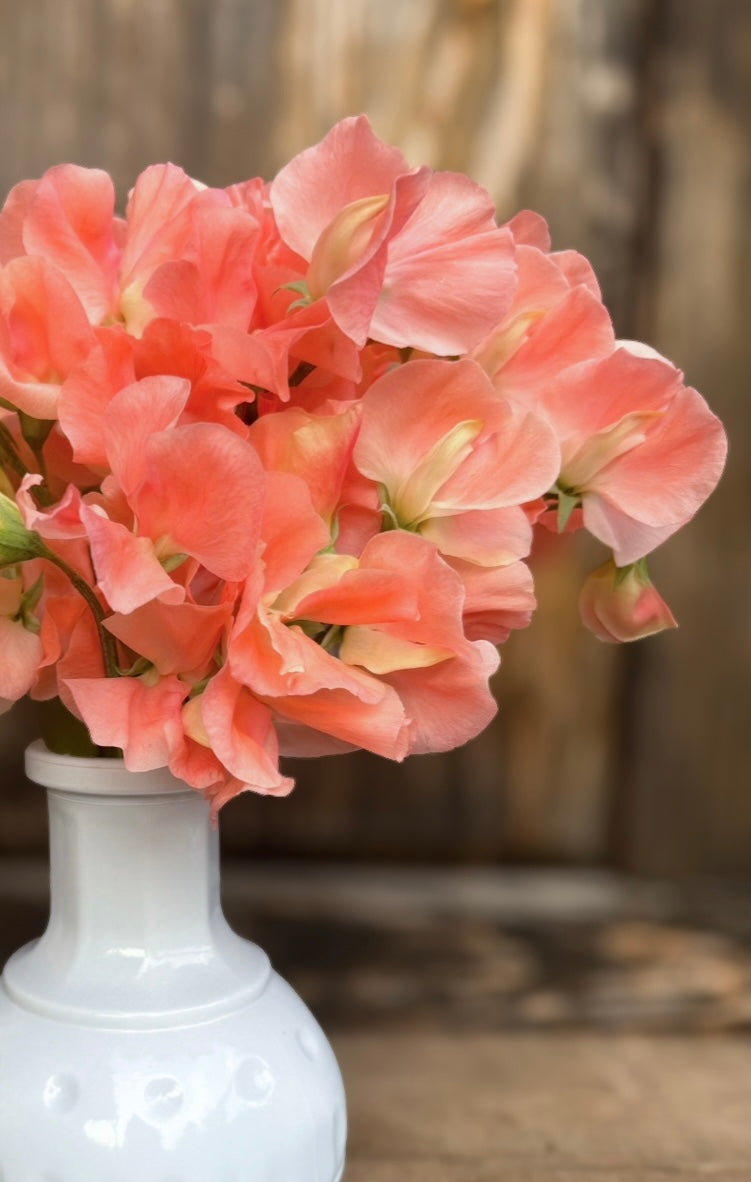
(141,1039)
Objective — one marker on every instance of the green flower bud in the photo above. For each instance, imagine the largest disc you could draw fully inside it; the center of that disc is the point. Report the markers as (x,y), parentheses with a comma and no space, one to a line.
(17,543)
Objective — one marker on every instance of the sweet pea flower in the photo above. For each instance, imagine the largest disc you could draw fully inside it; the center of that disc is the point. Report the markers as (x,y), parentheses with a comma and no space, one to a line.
(440,676)
(173,479)
(318,448)
(556,320)
(498,600)
(160,224)
(67,219)
(410,258)
(272,456)
(462,461)
(183,250)
(44,335)
(640,451)
(620,603)
(142,715)
(293,672)
(231,722)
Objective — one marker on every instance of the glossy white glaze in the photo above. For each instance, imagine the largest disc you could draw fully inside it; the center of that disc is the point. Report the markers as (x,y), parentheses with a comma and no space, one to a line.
(140,1037)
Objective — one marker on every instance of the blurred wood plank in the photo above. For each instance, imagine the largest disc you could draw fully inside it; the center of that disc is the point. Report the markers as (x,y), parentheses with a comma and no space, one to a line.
(120,84)
(686,799)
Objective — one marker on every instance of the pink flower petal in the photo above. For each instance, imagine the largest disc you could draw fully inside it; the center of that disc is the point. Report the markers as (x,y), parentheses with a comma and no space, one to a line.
(292,531)
(89,388)
(674,470)
(242,736)
(530,229)
(159,219)
(21,656)
(70,222)
(132,417)
(490,537)
(348,164)
(44,334)
(507,458)
(450,703)
(451,273)
(498,600)
(12,219)
(215,283)
(143,719)
(127,569)
(175,637)
(202,494)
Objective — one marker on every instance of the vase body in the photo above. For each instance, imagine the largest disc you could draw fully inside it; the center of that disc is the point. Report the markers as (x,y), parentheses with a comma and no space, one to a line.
(141,1039)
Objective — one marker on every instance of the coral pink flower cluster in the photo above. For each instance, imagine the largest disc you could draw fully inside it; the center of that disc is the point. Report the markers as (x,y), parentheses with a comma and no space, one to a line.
(273,456)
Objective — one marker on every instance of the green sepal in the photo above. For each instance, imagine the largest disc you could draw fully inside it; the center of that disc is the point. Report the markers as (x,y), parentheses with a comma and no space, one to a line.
(139,666)
(640,567)
(172,561)
(29,601)
(567,502)
(391,521)
(17,543)
(301,287)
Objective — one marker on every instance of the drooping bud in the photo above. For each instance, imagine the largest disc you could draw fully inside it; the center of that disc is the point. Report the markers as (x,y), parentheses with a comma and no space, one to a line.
(17,543)
(620,603)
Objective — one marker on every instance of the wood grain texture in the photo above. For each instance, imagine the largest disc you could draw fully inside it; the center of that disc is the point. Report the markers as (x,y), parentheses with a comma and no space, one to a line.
(686,796)
(627,126)
(528,1108)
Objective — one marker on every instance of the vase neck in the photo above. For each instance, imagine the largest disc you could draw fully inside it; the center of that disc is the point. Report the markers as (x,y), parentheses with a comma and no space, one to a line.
(132,876)
(136,925)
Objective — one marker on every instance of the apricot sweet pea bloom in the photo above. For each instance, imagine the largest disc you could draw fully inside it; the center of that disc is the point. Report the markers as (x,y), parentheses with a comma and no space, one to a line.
(272,457)
(462,463)
(641,452)
(409,258)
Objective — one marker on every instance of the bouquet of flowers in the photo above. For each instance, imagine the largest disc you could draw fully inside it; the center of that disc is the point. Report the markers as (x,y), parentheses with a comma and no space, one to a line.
(272,457)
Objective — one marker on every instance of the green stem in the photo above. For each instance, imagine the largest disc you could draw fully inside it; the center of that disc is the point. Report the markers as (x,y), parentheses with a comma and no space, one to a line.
(9,455)
(106,639)
(300,373)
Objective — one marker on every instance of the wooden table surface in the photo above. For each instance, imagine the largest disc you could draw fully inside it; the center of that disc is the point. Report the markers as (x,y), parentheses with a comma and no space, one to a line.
(495,1026)
(547,1108)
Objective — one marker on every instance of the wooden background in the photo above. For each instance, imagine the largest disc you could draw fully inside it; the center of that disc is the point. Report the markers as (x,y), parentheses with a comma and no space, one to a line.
(626,122)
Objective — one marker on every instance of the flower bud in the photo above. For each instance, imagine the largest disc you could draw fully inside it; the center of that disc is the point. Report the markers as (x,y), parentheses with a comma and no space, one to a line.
(620,603)
(17,543)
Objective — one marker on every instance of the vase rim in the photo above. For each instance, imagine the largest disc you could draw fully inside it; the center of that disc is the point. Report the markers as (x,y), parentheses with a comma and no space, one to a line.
(98,776)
